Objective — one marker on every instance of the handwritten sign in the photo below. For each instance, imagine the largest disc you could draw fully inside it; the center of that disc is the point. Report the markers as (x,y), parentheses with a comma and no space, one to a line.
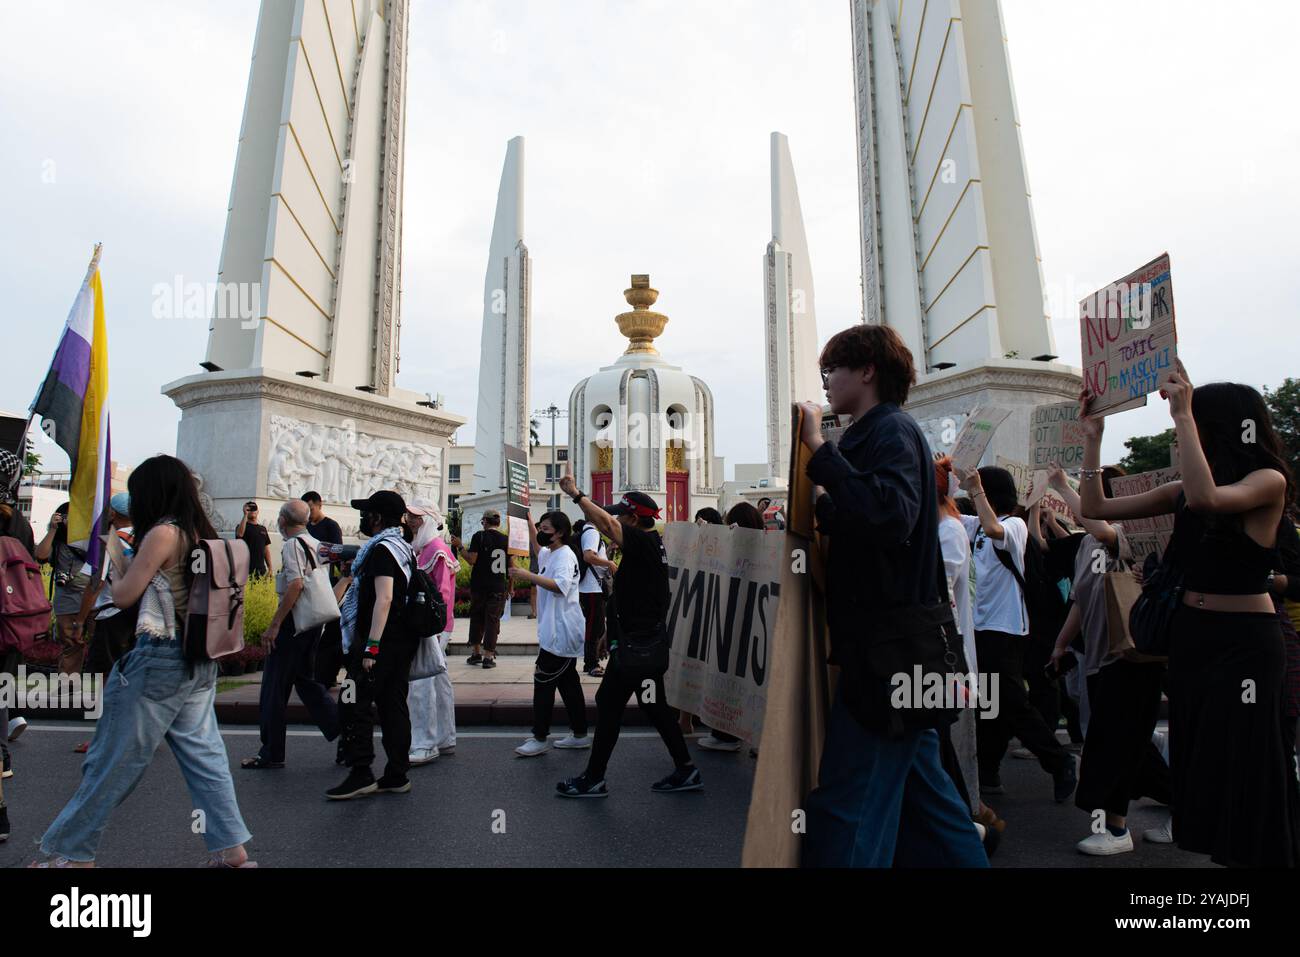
(1129,339)
(517,500)
(1146,535)
(724,585)
(1055,436)
(1030,485)
(975,435)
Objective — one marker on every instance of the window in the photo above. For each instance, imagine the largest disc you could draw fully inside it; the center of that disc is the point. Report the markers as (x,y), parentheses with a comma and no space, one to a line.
(553,475)
(451,499)
(453,473)
(561,455)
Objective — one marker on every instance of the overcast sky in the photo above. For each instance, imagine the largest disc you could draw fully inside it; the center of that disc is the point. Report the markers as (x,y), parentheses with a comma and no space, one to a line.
(1148,126)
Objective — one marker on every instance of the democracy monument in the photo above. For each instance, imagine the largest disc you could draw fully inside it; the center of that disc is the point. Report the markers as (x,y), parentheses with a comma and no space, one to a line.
(304,394)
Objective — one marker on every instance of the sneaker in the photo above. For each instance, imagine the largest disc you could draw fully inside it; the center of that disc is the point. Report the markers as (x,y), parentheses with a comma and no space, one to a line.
(571,741)
(981,830)
(1021,753)
(4,823)
(1164,834)
(489,662)
(710,743)
(1065,782)
(16,728)
(446,750)
(1105,844)
(387,785)
(683,779)
(474,660)
(359,782)
(582,787)
(8,770)
(422,756)
(532,747)
(992,786)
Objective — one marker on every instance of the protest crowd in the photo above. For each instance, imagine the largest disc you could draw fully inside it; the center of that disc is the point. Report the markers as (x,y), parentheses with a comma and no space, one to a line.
(933,565)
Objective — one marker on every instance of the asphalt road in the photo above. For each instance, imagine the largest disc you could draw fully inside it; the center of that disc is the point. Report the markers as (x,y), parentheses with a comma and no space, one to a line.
(485,807)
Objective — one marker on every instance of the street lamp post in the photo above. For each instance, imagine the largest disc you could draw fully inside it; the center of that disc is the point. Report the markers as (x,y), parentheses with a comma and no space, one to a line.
(552,412)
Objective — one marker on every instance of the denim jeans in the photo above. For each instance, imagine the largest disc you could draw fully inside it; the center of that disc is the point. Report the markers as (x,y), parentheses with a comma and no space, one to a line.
(150,695)
(883,802)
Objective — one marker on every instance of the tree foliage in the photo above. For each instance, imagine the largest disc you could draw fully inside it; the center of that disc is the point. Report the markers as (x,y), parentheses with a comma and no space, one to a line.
(1146,453)
(1284,408)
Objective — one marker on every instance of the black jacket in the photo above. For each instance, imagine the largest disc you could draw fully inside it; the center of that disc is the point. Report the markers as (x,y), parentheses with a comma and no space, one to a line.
(881,513)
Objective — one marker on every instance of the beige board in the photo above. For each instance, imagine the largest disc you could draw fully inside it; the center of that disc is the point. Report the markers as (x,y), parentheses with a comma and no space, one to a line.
(1146,535)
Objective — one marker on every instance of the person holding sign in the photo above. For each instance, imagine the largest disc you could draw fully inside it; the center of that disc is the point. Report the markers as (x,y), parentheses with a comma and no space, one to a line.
(1234,791)
(561,630)
(883,797)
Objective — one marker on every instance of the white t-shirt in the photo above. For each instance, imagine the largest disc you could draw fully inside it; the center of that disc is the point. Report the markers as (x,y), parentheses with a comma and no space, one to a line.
(591,542)
(956,566)
(560,624)
(999,604)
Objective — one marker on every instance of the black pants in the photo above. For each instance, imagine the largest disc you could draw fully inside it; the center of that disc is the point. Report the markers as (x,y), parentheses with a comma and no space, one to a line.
(329,655)
(611,701)
(552,674)
(1120,762)
(383,690)
(593,610)
(1000,655)
(289,667)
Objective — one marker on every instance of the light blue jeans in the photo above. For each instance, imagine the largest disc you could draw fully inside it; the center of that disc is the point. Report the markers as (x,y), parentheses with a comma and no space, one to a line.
(150,695)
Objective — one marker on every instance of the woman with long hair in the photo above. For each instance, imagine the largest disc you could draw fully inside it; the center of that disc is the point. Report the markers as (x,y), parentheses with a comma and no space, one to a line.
(70,579)
(561,630)
(431,700)
(154,693)
(1234,792)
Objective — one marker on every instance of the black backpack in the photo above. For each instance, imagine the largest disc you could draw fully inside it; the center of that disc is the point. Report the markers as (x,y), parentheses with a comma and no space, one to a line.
(425,613)
(1043,598)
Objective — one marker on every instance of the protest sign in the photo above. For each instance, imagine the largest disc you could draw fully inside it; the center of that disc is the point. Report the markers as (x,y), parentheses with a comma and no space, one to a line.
(1146,535)
(1029,485)
(517,500)
(1129,339)
(975,435)
(724,587)
(1055,437)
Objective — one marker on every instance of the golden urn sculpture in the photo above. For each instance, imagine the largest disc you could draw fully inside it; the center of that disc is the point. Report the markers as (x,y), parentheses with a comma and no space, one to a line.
(641,326)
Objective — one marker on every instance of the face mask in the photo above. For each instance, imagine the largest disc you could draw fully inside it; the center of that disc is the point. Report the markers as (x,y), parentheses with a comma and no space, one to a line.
(544,538)
(408,533)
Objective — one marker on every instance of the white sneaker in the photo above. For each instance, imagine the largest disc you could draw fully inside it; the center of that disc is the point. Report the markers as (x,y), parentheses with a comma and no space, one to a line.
(16,727)
(447,748)
(1022,753)
(569,741)
(981,830)
(422,756)
(710,743)
(532,747)
(1105,844)
(1164,834)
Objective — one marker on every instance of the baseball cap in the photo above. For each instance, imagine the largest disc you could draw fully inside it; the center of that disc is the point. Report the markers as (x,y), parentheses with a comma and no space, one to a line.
(427,508)
(388,504)
(635,503)
(120,503)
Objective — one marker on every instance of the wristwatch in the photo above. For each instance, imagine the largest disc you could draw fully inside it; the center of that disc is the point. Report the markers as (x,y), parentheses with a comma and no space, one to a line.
(579,497)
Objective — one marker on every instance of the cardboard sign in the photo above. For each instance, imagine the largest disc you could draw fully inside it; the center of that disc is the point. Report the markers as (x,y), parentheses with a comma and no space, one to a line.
(724,586)
(975,435)
(1129,339)
(517,500)
(1146,535)
(1055,436)
(1029,485)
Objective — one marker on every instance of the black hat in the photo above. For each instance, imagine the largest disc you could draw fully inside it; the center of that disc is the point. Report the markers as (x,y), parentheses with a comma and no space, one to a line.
(384,503)
(635,503)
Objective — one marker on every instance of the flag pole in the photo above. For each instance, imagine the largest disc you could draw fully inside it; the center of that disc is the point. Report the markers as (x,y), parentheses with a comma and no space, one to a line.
(94,261)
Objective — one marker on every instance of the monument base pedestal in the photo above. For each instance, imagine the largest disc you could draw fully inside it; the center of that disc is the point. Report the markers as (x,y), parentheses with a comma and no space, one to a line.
(267,436)
(941,401)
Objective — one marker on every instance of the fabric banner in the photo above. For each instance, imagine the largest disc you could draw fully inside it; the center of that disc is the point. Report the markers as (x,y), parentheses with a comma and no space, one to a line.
(725,588)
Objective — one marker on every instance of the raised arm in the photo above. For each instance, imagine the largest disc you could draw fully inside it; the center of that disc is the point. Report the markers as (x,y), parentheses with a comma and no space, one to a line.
(157,550)
(605,523)
(974,487)
(1102,531)
(1093,503)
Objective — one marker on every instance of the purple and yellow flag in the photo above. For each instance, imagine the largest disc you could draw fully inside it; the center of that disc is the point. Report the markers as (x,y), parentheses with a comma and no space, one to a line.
(73,405)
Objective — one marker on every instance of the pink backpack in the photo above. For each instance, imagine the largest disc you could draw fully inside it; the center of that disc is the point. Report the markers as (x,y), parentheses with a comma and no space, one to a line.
(24,609)
(215,625)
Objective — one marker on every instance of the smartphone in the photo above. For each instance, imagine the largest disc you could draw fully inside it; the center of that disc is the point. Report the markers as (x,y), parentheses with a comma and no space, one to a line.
(1067,664)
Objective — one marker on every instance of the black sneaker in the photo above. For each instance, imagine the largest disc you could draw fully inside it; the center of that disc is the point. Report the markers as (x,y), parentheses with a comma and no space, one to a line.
(360,782)
(683,779)
(582,787)
(489,662)
(8,771)
(992,786)
(4,823)
(1065,781)
(474,660)
(387,785)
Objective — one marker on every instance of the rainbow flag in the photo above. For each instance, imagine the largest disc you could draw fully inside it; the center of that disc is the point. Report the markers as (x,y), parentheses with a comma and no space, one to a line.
(73,405)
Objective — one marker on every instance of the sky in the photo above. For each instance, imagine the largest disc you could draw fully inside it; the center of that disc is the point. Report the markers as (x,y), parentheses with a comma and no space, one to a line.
(1148,126)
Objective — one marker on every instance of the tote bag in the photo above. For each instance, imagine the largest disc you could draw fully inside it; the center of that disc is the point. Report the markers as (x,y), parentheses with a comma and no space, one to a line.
(316,604)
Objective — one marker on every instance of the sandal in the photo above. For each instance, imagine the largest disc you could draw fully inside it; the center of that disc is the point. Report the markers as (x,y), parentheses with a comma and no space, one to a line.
(216,860)
(81,748)
(259,764)
(596,672)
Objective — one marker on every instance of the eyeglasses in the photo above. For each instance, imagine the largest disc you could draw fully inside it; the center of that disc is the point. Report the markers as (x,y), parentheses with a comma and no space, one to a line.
(826,374)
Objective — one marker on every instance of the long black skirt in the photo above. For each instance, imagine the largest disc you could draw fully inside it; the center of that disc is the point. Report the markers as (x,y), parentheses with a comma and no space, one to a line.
(1235,796)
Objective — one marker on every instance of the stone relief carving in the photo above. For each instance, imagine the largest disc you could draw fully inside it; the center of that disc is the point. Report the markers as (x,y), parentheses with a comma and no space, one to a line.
(342,464)
(209,508)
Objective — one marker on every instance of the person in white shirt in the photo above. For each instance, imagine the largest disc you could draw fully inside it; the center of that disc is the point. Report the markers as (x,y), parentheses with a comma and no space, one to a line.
(561,630)
(1001,624)
(591,595)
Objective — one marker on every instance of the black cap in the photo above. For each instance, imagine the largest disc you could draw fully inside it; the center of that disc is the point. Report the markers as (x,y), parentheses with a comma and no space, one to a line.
(387,504)
(635,503)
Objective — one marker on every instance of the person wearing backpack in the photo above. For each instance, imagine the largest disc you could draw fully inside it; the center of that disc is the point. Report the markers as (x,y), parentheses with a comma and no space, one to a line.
(1005,589)
(154,693)
(14,528)
(68,582)
(431,700)
(377,651)
(292,650)
(595,571)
